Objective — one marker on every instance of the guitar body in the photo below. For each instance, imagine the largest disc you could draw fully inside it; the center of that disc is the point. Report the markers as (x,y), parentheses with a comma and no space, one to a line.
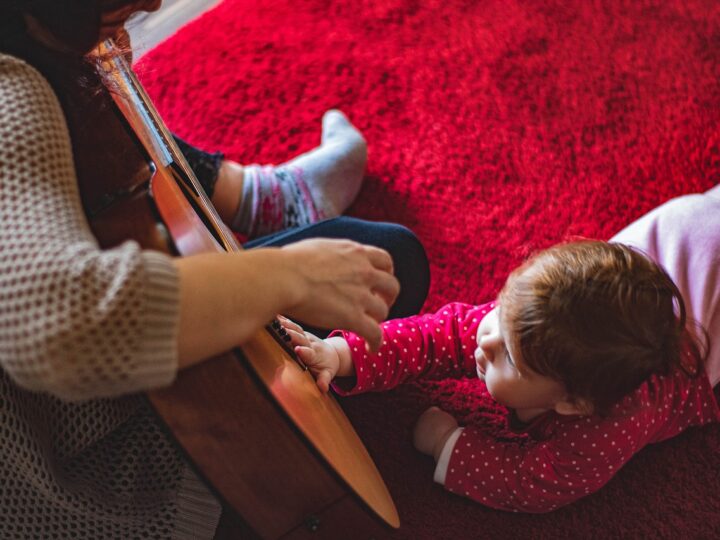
(252,421)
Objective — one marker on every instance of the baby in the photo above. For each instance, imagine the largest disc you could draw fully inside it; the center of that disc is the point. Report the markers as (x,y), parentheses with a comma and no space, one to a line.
(588,348)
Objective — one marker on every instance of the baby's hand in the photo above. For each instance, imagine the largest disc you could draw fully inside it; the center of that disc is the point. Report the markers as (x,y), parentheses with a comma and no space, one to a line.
(318,355)
(432,430)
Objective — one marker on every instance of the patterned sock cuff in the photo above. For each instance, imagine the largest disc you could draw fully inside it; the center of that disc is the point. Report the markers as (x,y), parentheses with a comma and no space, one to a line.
(245,220)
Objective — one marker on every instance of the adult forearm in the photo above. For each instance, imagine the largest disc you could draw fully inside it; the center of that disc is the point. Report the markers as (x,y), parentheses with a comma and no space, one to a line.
(225,299)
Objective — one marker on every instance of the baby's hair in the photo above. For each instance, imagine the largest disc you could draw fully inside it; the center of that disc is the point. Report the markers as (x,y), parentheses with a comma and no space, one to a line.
(600,318)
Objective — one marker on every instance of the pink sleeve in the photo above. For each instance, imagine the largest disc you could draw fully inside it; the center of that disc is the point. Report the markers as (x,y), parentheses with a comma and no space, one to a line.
(569,457)
(527,475)
(434,345)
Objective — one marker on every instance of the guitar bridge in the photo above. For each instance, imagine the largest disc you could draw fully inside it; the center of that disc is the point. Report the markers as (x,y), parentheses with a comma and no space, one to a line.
(283,338)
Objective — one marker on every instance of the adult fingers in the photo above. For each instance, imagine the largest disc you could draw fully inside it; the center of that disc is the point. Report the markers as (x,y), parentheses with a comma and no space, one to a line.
(369,329)
(380,258)
(387,286)
(376,307)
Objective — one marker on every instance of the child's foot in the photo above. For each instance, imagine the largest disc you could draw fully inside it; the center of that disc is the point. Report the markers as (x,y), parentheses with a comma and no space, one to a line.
(317,185)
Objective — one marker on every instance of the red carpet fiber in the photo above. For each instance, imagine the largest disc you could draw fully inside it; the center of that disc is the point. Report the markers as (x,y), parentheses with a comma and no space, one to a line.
(495,127)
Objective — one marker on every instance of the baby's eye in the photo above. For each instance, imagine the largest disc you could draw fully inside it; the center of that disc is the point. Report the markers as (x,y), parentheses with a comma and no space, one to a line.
(509,359)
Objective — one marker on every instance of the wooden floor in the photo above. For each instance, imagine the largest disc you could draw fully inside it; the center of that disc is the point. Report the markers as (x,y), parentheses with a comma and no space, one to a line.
(147,30)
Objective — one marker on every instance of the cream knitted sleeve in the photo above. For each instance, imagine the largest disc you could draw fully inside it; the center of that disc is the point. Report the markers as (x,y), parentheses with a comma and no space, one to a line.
(75,321)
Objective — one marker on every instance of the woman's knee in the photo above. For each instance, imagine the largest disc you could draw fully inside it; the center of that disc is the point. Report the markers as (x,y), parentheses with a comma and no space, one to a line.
(403,242)
(409,259)
(411,268)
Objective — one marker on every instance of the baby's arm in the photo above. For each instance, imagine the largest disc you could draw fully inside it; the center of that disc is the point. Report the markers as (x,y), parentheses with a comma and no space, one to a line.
(331,357)
(433,345)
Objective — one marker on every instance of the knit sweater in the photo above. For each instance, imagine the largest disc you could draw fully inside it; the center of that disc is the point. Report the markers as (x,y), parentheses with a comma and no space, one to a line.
(83,332)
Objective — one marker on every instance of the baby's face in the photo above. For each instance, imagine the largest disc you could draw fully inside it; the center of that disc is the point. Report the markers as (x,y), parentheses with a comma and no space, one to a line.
(508,380)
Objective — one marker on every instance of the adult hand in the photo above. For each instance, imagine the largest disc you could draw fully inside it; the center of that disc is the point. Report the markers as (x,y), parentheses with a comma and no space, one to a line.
(432,430)
(342,284)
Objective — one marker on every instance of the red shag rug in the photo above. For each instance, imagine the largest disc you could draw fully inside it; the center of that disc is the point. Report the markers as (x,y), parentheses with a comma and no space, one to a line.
(495,128)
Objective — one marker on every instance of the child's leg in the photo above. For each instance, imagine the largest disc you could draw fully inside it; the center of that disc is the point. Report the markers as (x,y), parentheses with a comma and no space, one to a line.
(683,235)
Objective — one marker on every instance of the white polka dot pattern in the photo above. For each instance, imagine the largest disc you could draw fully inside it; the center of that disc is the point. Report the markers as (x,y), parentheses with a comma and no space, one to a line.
(435,345)
(78,326)
(561,458)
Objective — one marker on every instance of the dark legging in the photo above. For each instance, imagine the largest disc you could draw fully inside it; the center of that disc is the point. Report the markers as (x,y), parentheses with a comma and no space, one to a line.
(409,259)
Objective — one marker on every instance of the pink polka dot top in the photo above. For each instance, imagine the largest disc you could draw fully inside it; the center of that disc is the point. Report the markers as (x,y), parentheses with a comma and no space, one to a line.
(559,459)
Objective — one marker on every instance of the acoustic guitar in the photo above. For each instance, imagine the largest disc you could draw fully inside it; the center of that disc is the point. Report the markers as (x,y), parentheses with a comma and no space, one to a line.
(252,421)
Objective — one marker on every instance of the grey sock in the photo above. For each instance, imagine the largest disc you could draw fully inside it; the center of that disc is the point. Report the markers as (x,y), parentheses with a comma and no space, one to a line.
(334,170)
(317,185)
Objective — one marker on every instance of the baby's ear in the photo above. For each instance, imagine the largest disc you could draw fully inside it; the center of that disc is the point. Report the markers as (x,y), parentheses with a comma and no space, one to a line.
(582,407)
